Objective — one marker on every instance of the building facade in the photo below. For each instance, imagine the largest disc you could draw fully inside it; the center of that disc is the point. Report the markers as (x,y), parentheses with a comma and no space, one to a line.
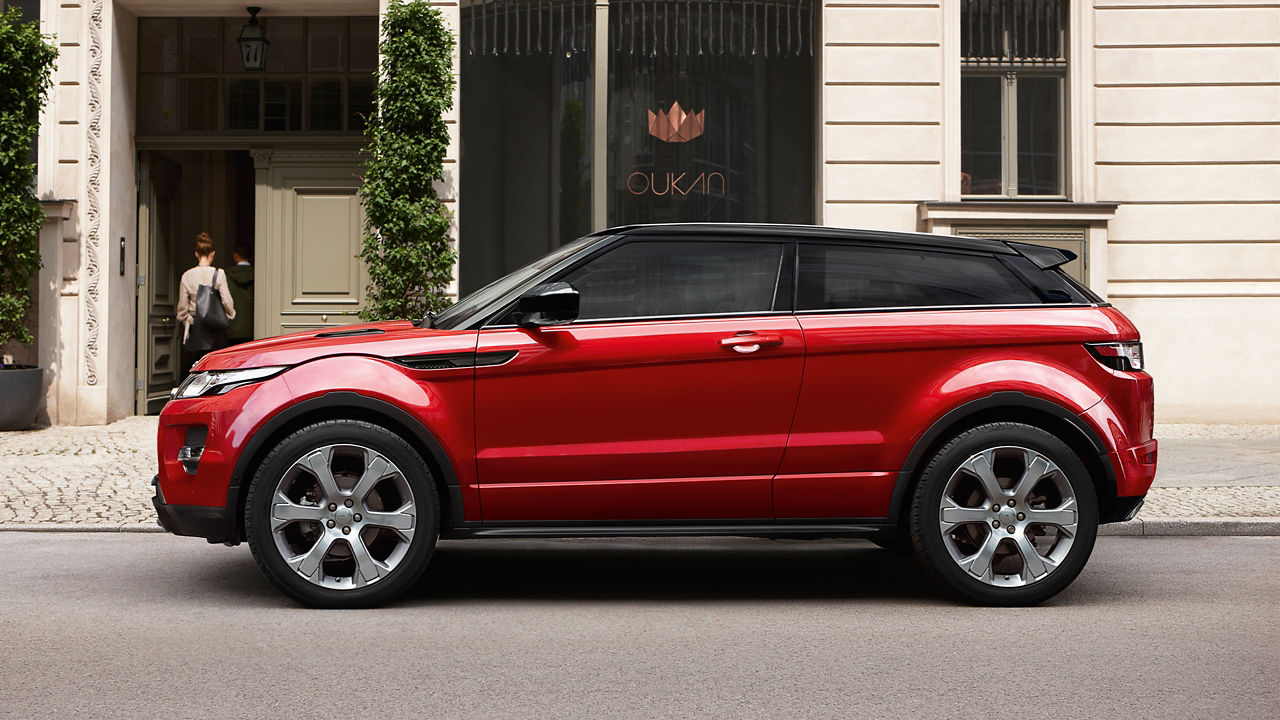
(1142,134)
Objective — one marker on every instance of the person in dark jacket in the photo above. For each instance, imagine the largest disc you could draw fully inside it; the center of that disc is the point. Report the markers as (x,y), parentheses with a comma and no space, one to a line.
(240,279)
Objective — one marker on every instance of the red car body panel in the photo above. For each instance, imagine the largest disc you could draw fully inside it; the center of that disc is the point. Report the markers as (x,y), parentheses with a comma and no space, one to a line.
(875,382)
(664,420)
(636,420)
(441,399)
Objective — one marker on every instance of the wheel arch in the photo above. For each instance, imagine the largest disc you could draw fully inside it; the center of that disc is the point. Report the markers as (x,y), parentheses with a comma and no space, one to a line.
(1010,406)
(342,405)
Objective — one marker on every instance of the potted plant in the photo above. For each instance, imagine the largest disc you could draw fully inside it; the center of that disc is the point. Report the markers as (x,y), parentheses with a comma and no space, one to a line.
(26,67)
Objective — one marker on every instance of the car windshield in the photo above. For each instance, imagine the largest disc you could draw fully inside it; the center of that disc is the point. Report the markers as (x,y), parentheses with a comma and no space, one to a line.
(499,288)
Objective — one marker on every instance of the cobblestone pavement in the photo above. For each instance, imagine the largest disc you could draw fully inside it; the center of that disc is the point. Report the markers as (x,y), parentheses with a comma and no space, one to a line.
(93,476)
(99,477)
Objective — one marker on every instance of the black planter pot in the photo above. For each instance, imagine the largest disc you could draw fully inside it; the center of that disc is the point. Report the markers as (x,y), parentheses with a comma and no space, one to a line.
(20,395)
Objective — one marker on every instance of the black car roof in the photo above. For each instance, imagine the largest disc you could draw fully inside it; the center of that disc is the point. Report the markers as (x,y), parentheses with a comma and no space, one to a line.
(816,232)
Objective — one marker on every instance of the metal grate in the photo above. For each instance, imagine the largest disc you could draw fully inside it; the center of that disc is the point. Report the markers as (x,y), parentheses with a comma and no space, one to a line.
(1014,32)
(768,28)
(527,27)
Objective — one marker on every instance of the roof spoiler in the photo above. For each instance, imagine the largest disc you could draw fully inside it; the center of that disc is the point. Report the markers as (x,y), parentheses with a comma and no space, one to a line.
(1045,258)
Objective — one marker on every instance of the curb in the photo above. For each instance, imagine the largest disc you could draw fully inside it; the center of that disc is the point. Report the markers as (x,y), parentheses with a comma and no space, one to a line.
(151,527)
(1153,527)
(1197,526)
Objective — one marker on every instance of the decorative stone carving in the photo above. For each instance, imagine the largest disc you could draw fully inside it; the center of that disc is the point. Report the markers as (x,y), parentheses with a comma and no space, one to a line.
(93,201)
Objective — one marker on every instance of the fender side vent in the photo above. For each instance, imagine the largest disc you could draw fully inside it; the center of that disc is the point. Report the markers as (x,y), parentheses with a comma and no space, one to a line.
(351,333)
(438,362)
(447,361)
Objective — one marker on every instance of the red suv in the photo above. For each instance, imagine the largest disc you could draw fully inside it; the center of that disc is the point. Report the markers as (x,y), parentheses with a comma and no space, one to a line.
(960,396)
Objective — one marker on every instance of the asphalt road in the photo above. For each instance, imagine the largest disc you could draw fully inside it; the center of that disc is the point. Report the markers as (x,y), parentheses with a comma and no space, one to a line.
(136,625)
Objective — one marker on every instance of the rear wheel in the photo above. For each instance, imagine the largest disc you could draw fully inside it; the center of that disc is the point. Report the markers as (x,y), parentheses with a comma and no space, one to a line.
(342,514)
(1005,514)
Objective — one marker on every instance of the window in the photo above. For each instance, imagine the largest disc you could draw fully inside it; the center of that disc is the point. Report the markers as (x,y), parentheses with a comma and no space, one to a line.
(840,277)
(1012,98)
(30,12)
(527,96)
(661,278)
(579,114)
(29,9)
(318,78)
(711,112)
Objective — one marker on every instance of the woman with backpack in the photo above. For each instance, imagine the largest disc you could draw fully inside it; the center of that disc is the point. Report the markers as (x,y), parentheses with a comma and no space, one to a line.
(204,306)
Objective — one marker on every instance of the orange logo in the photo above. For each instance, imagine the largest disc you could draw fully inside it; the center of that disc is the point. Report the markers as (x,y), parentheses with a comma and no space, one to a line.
(676,126)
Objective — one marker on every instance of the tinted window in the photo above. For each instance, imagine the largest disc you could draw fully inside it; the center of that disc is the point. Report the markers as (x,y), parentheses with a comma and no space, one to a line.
(836,277)
(662,278)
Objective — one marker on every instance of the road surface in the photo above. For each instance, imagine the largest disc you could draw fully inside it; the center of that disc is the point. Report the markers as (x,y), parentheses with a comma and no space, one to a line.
(141,625)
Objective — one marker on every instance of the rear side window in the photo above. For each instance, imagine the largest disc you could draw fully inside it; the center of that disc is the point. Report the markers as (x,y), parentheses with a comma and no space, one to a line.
(664,278)
(840,277)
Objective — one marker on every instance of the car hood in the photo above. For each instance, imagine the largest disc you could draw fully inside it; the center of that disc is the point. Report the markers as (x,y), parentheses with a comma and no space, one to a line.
(382,339)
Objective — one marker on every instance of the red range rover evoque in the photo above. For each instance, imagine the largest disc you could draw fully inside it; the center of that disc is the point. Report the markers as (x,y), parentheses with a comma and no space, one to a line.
(960,396)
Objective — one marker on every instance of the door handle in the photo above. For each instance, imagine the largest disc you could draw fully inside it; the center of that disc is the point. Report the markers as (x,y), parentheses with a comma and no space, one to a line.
(750,342)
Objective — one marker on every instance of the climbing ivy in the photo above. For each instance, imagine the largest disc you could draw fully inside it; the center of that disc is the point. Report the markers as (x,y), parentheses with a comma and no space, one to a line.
(407,247)
(26,67)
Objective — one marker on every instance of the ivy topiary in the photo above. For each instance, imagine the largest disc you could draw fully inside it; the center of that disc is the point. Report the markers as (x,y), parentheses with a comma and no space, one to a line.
(26,69)
(406,244)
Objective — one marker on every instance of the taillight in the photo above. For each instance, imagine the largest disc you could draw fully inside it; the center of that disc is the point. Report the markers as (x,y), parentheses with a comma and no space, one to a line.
(1118,355)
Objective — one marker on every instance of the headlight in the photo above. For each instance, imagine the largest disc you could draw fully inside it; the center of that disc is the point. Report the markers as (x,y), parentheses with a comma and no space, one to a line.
(218,382)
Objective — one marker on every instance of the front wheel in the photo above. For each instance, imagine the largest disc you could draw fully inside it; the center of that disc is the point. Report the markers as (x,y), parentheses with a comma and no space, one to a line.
(1005,514)
(342,514)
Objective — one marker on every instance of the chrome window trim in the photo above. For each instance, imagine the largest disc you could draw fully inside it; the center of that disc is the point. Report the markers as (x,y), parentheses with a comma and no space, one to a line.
(938,308)
(655,318)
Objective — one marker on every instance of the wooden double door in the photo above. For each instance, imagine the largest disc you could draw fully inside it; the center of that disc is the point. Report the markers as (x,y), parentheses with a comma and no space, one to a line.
(299,212)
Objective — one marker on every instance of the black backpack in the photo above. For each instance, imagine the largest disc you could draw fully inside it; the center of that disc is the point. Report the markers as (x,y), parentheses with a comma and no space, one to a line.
(209,323)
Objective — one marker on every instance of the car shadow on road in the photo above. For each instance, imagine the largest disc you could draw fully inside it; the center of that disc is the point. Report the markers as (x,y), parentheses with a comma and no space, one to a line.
(668,570)
(619,569)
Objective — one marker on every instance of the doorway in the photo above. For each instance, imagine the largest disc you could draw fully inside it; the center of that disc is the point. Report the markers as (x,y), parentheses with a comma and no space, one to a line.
(183,193)
(294,214)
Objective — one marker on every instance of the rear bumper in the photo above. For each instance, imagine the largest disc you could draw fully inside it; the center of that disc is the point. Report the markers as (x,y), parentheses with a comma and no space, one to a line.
(1136,470)
(1122,509)
(209,523)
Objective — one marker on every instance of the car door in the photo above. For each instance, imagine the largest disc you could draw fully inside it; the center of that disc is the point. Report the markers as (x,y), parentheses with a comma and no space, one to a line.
(882,325)
(670,398)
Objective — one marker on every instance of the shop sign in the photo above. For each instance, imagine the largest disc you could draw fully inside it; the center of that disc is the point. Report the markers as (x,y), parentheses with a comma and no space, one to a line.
(676,126)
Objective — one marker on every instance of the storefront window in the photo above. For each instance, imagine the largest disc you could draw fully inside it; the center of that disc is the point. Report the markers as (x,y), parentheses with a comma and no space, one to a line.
(710,112)
(526,132)
(708,115)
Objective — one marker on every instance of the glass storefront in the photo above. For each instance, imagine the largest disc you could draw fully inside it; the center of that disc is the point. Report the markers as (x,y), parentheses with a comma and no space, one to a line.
(707,116)
(526,133)
(710,112)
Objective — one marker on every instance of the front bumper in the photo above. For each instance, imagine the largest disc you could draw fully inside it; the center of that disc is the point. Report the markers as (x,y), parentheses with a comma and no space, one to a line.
(209,523)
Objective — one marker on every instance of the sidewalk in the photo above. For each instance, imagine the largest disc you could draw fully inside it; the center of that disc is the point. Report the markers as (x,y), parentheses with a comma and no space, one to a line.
(1213,480)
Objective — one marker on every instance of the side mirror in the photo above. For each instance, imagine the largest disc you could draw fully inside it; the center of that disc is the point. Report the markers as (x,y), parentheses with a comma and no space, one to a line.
(547,304)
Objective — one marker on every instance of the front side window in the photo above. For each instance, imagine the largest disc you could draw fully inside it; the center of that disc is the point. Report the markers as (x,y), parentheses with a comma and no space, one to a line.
(842,277)
(1011,97)
(662,279)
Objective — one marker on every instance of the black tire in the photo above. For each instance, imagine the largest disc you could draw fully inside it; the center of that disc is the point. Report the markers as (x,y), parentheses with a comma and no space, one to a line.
(926,514)
(411,562)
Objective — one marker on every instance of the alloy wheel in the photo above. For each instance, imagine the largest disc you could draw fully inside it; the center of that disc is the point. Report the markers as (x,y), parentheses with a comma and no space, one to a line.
(1008,516)
(343,516)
